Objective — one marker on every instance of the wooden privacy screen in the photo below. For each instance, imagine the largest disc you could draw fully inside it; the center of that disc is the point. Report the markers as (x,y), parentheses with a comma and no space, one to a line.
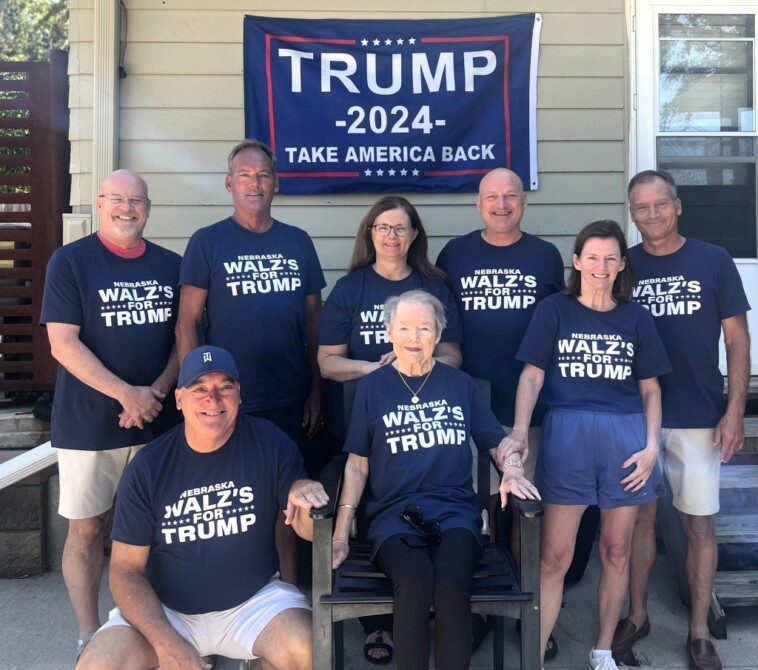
(34,185)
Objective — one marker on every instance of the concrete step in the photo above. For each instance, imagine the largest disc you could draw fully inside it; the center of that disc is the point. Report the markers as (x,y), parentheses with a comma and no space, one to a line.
(22,439)
(20,419)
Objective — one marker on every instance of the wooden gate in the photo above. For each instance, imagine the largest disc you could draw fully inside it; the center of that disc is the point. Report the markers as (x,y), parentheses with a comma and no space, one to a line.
(34,187)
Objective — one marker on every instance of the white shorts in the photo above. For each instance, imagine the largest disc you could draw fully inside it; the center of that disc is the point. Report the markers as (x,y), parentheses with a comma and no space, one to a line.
(693,466)
(89,479)
(233,632)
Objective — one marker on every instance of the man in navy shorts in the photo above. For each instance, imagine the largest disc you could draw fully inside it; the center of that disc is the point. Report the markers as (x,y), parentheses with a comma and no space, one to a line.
(694,293)
(194,569)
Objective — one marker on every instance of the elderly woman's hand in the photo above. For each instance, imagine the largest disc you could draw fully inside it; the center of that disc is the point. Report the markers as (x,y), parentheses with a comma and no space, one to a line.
(644,462)
(515,444)
(514,482)
(340,550)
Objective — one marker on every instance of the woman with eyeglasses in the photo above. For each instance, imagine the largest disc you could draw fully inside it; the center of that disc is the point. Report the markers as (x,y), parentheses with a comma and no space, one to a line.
(389,258)
(408,447)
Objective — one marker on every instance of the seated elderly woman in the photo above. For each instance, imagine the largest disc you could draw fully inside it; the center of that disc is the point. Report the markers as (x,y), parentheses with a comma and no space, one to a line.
(598,355)
(408,440)
(389,258)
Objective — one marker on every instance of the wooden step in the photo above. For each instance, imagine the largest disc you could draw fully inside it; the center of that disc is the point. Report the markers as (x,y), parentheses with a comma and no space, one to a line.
(739,477)
(738,489)
(737,528)
(737,588)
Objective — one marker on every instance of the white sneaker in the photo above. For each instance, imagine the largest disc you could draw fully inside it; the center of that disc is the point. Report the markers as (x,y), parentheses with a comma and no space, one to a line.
(602,663)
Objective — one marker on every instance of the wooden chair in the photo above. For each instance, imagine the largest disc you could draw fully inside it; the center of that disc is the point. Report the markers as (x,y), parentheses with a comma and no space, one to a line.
(358,588)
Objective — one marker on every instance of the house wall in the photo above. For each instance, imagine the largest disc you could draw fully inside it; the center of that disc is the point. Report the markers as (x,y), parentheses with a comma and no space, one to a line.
(182,110)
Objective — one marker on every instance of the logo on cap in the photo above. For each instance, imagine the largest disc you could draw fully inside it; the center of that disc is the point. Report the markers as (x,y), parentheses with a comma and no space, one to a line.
(207,357)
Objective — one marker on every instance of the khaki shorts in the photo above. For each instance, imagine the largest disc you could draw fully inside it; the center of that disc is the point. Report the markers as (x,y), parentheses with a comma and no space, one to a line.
(89,479)
(692,465)
(233,632)
(529,465)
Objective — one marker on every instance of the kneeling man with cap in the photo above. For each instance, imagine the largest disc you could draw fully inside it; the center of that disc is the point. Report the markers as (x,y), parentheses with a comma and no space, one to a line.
(194,569)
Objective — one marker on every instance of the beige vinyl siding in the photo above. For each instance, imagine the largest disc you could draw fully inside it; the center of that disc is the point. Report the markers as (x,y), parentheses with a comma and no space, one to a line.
(182,110)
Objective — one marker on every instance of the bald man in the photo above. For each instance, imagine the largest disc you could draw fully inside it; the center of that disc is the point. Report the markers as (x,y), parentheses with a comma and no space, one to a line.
(498,274)
(110,305)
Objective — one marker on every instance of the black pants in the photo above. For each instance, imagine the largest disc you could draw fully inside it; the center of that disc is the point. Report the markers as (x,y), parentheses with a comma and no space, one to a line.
(432,576)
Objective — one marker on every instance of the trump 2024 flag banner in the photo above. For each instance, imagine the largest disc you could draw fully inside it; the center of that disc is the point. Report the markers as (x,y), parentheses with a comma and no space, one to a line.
(393,106)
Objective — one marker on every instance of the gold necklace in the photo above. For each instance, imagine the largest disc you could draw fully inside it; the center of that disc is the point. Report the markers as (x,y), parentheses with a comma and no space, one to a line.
(414,394)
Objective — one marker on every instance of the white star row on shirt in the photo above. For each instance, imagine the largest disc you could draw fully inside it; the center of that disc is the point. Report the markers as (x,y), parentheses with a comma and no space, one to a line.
(278,274)
(390,173)
(387,41)
(125,306)
(410,428)
(481,291)
(616,358)
(681,296)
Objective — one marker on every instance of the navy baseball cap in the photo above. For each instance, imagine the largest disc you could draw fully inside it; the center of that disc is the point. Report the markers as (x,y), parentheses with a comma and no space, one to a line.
(203,360)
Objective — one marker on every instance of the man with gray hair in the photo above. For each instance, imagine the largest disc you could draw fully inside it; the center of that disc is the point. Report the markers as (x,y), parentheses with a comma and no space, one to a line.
(257,281)
(694,293)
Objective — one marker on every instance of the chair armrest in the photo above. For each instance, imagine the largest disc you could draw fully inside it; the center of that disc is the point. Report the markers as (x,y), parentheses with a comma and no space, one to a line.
(331,478)
(526,508)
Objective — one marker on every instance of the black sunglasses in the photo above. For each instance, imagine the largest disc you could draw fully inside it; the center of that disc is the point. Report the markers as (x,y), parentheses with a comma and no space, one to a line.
(430,530)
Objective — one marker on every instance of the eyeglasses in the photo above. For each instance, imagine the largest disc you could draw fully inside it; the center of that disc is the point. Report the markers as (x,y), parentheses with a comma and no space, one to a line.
(382,229)
(430,530)
(118,200)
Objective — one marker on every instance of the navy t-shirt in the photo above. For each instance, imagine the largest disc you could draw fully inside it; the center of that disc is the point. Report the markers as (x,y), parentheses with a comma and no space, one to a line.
(257,284)
(497,289)
(126,310)
(593,360)
(352,313)
(689,293)
(208,518)
(420,453)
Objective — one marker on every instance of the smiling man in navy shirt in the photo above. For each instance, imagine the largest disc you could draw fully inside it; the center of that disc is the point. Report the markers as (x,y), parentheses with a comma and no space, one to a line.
(109,305)
(194,570)
(694,293)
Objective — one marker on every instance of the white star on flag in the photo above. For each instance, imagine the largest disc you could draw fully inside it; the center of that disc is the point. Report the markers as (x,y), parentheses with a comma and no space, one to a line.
(364,42)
